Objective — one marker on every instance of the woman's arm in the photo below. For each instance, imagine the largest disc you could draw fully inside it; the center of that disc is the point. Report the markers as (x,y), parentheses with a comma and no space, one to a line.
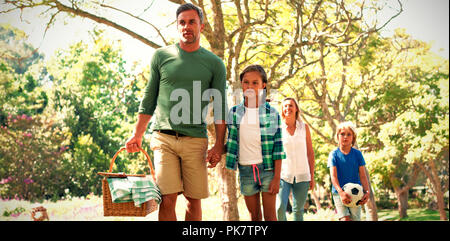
(310,154)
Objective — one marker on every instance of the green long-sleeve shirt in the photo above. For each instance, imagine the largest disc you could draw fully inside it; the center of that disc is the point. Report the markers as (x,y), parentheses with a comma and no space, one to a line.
(180,87)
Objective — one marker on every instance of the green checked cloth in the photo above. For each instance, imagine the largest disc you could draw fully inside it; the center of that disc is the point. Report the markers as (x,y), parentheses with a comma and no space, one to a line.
(133,189)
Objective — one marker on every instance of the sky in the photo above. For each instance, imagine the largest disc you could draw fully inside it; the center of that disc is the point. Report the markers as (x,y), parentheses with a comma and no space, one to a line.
(424,20)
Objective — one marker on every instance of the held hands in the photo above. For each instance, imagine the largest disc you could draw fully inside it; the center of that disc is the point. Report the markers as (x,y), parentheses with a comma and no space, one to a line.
(214,155)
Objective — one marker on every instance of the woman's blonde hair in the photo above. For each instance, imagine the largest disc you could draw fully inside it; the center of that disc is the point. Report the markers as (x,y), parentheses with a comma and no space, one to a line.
(297,113)
(344,125)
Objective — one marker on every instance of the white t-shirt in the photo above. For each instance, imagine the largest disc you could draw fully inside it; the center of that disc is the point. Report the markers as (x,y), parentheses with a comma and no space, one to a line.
(250,138)
(296,163)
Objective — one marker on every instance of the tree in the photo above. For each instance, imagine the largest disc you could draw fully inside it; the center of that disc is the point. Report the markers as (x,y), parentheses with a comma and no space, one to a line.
(405,114)
(284,36)
(63,120)
(21,91)
(96,98)
(31,144)
(15,50)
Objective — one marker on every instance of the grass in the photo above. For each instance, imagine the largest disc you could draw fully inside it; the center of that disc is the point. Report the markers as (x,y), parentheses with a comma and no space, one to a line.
(415,214)
(91,209)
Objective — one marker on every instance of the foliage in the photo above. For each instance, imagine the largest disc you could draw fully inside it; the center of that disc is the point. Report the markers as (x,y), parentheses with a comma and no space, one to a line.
(20,93)
(323,53)
(396,93)
(62,121)
(30,157)
(14,49)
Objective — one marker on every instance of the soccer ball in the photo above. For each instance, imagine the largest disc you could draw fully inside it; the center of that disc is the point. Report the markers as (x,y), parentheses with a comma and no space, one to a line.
(355,191)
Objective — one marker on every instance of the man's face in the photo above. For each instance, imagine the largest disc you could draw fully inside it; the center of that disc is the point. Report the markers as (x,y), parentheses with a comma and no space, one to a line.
(189,26)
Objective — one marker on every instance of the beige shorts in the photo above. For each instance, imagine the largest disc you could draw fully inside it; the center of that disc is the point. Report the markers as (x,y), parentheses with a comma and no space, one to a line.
(180,165)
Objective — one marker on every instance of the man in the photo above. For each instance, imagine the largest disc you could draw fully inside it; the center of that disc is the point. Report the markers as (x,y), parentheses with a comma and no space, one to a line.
(180,145)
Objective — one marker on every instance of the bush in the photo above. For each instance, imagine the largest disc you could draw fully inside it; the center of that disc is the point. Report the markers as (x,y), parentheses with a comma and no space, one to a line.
(30,151)
(82,165)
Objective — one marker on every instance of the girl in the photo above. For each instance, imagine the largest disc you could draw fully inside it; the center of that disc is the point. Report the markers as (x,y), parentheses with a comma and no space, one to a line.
(255,145)
(347,166)
(297,171)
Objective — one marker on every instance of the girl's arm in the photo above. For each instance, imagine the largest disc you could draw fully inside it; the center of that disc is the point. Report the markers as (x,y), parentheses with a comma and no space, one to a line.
(278,154)
(310,154)
(274,186)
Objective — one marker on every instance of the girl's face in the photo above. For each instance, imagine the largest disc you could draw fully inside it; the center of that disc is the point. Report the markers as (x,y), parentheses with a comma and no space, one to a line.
(345,137)
(251,84)
(288,108)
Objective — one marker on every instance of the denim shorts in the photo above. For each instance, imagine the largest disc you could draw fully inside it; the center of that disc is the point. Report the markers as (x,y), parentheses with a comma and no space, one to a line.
(254,179)
(342,211)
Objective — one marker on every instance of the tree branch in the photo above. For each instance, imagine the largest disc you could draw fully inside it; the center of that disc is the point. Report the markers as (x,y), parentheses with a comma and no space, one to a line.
(84,14)
(138,18)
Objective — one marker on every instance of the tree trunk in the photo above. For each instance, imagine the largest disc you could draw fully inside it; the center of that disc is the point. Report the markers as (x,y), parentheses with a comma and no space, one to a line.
(402,200)
(402,192)
(371,206)
(226,179)
(228,192)
(438,190)
(433,176)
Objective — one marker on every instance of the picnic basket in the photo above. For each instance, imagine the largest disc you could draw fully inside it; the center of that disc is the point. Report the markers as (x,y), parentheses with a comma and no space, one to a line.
(126,208)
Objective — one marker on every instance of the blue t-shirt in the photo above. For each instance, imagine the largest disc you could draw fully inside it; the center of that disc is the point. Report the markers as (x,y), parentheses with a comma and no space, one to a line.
(347,166)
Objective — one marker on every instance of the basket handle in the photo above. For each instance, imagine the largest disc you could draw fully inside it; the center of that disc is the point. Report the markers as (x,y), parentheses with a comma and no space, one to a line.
(152,170)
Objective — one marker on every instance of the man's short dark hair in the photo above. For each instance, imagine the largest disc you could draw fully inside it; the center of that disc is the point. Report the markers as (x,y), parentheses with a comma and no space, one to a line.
(190,6)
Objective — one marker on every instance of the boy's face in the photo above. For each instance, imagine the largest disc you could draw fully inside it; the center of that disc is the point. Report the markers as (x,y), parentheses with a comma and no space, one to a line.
(251,84)
(345,137)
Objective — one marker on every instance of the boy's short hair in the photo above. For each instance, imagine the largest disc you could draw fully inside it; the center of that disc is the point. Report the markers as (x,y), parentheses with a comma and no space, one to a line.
(190,6)
(343,125)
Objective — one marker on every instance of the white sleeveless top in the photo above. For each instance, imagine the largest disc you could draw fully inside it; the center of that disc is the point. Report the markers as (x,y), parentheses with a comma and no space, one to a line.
(296,163)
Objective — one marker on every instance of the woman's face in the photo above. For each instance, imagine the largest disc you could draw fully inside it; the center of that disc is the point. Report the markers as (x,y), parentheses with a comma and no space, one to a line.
(289,108)
(251,84)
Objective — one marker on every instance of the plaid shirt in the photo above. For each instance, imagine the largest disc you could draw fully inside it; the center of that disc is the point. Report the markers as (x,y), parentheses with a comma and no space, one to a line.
(271,141)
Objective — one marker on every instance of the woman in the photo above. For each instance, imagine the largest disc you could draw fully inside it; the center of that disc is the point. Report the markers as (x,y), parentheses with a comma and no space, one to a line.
(297,170)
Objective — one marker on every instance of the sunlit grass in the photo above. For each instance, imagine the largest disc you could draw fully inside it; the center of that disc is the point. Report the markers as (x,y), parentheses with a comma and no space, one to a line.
(91,209)
(413,215)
